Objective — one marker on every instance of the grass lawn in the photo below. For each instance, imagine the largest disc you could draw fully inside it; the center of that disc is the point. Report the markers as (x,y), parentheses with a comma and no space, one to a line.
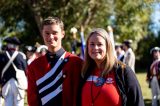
(144,86)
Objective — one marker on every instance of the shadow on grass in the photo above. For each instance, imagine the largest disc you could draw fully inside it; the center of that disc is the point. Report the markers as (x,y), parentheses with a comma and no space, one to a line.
(147,102)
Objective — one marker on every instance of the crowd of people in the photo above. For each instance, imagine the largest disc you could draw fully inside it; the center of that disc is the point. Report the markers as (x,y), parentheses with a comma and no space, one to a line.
(55,77)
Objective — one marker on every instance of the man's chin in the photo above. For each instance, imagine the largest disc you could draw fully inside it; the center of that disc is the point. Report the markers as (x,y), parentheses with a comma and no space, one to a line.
(51,45)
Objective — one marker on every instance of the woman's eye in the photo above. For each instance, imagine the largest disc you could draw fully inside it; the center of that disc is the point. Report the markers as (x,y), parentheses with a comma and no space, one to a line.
(99,44)
(92,44)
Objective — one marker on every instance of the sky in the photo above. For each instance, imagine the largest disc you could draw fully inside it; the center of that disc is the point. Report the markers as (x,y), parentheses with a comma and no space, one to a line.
(155,19)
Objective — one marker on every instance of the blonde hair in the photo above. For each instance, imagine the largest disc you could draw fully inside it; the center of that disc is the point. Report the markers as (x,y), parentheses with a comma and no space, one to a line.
(110,58)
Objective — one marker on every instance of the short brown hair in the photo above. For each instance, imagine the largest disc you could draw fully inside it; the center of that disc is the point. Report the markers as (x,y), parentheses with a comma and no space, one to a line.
(52,20)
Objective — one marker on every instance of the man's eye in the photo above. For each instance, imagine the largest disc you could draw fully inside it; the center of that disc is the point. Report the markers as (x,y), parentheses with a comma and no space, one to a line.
(54,32)
(47,33)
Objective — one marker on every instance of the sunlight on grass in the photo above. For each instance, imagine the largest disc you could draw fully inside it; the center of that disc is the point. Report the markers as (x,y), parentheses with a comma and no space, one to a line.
(144,87)
(26,104)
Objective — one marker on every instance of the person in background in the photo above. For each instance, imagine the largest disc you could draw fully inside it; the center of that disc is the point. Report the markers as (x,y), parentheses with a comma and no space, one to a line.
(129,56)
(13,95)
(75,44)
(153,75)
(53,79)
(41,50)
(119,52)
(105,80)
(30,53)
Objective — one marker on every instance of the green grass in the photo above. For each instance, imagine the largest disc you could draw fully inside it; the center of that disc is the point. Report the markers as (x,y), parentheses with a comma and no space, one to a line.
(26,104)
(144,87)
(146,92)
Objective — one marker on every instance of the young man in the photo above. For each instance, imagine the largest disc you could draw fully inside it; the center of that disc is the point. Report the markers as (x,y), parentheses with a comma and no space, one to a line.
(53,79)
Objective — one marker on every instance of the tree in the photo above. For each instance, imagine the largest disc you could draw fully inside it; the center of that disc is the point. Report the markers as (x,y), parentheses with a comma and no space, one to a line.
(23,17)
(132,18)
(74,13)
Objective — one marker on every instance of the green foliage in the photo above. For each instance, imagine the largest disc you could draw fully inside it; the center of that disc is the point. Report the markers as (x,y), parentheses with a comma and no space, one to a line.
(73,12)
(144,57)
(129,20)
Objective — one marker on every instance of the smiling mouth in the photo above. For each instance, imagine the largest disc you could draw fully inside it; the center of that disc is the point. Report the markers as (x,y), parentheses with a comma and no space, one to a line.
(95,52)
(51,41)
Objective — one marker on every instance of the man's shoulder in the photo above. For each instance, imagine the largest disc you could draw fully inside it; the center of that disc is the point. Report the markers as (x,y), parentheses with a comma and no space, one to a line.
(73,57)
(2,53)
(22,55)
(39,61)
(3,56)
(68,54)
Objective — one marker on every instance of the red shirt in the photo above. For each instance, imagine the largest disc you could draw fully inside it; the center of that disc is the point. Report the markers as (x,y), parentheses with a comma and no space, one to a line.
(105,95)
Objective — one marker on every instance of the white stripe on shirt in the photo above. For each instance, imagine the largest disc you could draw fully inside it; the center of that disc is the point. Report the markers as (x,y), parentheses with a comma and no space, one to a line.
(51,83)
(51,95)
(52,71)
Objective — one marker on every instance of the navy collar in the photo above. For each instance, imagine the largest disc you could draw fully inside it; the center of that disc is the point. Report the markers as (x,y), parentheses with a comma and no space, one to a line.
(56,55)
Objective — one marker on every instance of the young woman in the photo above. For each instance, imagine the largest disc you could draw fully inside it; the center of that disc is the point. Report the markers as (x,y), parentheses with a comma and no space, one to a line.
(106,81)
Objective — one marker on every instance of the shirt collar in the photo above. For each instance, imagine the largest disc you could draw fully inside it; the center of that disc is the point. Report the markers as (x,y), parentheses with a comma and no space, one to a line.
(56,55)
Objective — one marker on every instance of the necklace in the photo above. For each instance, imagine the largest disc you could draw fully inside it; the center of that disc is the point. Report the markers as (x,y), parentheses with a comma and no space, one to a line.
(94,98)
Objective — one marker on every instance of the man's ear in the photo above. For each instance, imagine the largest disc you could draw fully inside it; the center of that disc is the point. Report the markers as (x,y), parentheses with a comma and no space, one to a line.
(63,34)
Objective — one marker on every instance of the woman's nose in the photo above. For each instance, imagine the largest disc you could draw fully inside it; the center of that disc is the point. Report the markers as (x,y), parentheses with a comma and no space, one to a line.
(95,47)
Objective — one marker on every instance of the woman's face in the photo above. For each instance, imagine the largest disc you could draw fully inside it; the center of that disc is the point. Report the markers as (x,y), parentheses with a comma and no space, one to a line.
(97,48)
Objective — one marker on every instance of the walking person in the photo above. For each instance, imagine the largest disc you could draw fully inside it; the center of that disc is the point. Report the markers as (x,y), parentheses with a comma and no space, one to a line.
(105,80)
(153,75)
(53,79)
(12,60)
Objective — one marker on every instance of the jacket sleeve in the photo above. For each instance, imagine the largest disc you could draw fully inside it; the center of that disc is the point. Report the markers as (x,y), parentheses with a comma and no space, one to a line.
(21,61)
(76,79)
(133,89)
(32,92)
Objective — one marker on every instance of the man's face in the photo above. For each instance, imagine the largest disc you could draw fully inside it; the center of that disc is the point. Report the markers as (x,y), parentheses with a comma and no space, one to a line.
(52,35)
(156,54)
(118,50)
(124,47)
